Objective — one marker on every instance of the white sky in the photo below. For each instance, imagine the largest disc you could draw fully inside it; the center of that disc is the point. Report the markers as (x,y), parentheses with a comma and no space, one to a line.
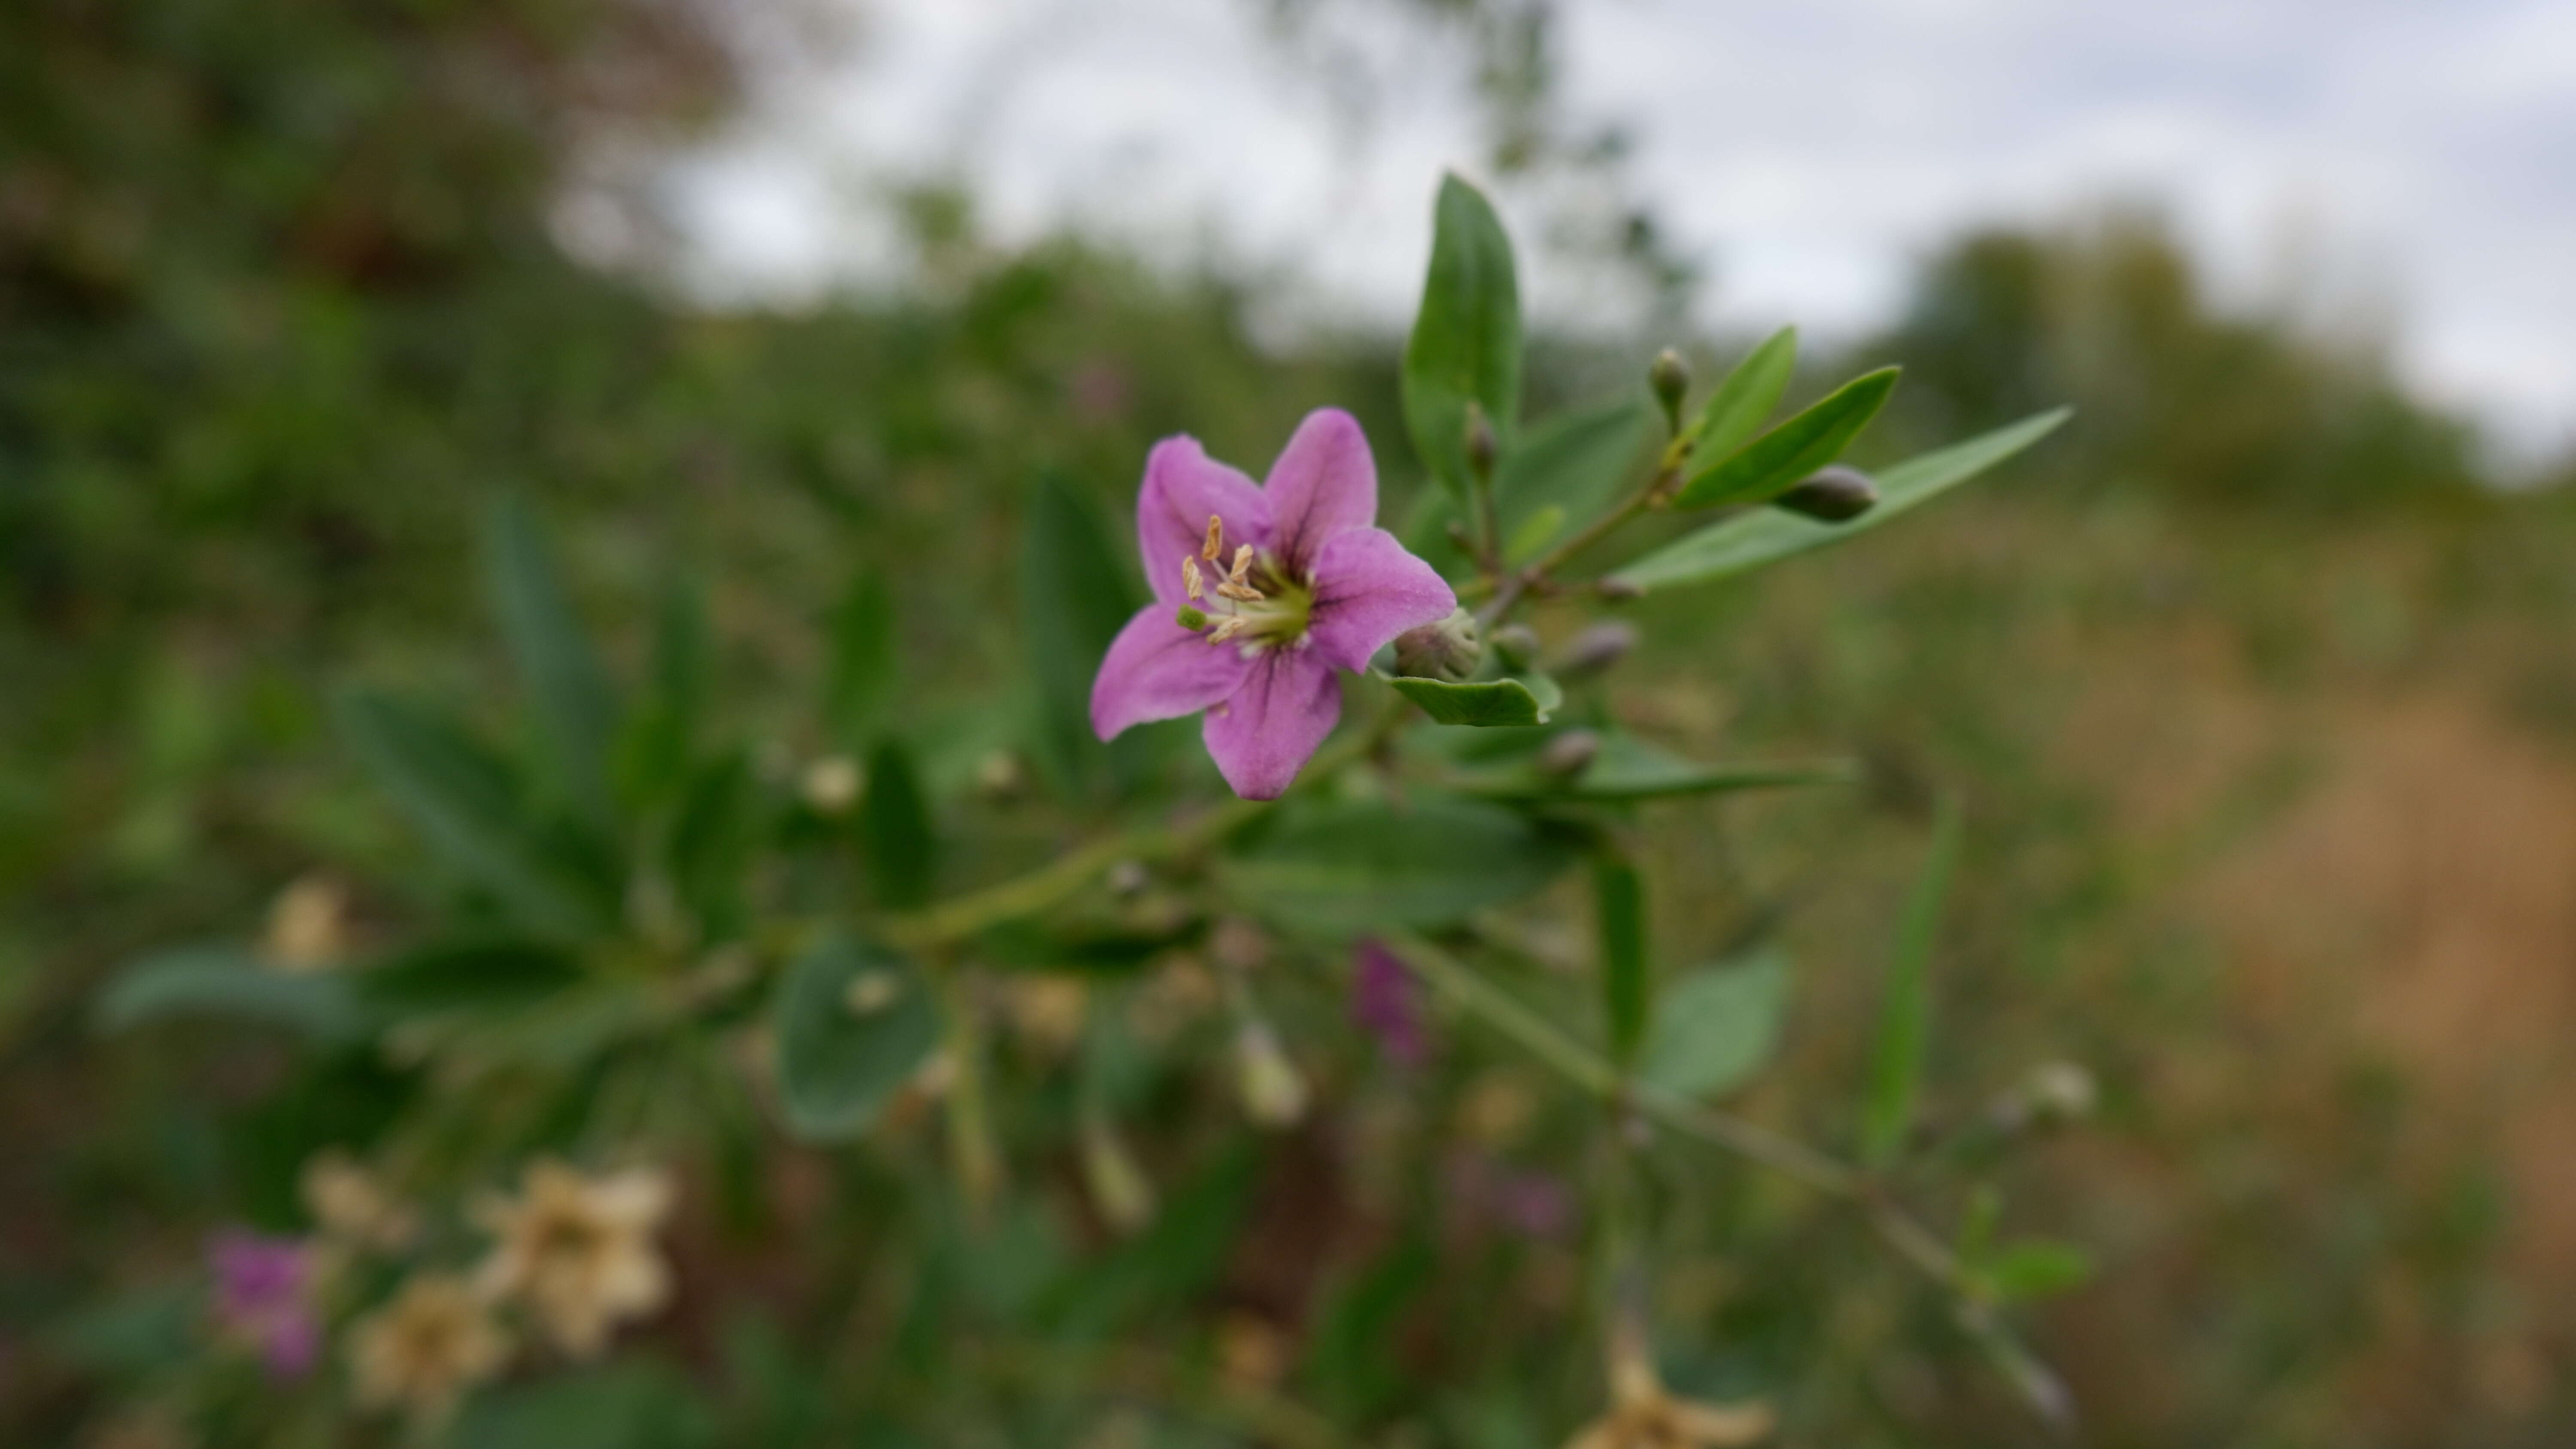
(1807,151)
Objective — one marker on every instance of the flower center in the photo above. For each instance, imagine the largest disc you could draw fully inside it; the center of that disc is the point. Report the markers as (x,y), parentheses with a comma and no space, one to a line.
(1251,601)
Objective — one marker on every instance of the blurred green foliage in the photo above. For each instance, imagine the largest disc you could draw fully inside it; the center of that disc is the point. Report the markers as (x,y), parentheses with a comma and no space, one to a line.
(280,314)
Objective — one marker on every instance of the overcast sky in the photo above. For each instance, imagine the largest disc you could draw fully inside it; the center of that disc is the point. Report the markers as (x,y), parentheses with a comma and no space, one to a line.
(1805,151)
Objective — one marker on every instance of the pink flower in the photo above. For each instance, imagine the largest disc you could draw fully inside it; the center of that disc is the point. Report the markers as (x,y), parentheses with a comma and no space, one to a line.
(261,1298)
(1260,593)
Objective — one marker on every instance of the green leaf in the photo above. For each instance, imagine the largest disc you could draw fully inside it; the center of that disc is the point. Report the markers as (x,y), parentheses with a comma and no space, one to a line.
(2037,1269)
(465,804)
(225,982)
(1744,400)
(662,733)
(1574,462)
(1717,1027)
(633,1403)
(1905,1017)
(1619,902)
(854,1022)
(712,841)
(1077,590)
(1355,1361)
(1534,533)
(1742,544)
(1347,867)
(859,685)
(902,850)
(569,692)
(1466,344)
(1629,768)
(1489,704)
(1768,465)
(487,974)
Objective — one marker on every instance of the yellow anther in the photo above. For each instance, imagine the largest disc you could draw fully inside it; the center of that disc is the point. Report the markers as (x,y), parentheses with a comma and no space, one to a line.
(1242,561)
(1215,539)
(1227,628)
(1190,578)
(1240,593)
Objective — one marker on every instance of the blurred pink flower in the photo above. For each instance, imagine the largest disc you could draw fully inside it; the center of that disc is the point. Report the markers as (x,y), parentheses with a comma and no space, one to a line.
(262,1297)
(1260,593)
(1387,1004)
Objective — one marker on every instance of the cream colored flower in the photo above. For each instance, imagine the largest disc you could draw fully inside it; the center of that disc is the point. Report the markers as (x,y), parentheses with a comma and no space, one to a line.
(308,926)
(1643,1414)
(430,1344)
(579,1252)
(351,1206)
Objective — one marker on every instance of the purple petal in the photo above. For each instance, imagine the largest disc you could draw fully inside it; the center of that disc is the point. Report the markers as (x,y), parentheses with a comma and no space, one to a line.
(1155,669)
(1183,487)
(292,1344)
(1261,736)
(1367,591)
(1324,482)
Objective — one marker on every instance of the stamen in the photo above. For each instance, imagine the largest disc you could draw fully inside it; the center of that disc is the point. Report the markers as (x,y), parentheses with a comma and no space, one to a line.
(1227,627)
(1243,593)
(1242,561)
(1190,578)
(1215,539)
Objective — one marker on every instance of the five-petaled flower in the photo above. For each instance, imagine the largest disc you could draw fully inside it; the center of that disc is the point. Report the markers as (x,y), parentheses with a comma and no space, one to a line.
(1260,593)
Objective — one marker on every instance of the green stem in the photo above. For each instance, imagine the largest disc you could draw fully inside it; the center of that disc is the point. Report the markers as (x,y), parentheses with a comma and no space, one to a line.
(1592,1073)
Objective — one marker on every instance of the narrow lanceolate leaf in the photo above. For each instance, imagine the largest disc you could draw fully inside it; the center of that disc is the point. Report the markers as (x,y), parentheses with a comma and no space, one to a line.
(1767,466)
(1744,400)
(224,983)
(464,803)
(1717,1027)
(661,734)
(858,687)
(1619,904)
(2036,1268)
(1345,868)
(1491,703)
(1076,593)
(1628,768)
(854,1022)
(1905,1016)
(575,709)
(1743,544)
(902,851)
(1466,344)
(1574,463)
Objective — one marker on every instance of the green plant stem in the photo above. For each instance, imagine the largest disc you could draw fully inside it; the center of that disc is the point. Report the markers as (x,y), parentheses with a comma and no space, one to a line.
(1516,585)
(1592,1073)
(1069,874)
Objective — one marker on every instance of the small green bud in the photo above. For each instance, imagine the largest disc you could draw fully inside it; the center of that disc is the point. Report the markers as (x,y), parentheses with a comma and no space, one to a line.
(1517,643)
(1617,589)
(1119,1188)
(1274,1094)
(1191,619)
(1481,447)
(1832,495)
(1670,378)
(1447,650)
(1594,650)
(1568,754)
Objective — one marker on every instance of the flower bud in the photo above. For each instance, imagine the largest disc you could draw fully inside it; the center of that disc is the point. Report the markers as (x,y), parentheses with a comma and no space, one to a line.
(2059,1092)
(1517,644)
(1670,378)
(1833,495)
(1568,753)
(1447,650)
(1118,1186)
(831,785)
(1594,650)
(1611,586)
(1274,1095)
(1481,446)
